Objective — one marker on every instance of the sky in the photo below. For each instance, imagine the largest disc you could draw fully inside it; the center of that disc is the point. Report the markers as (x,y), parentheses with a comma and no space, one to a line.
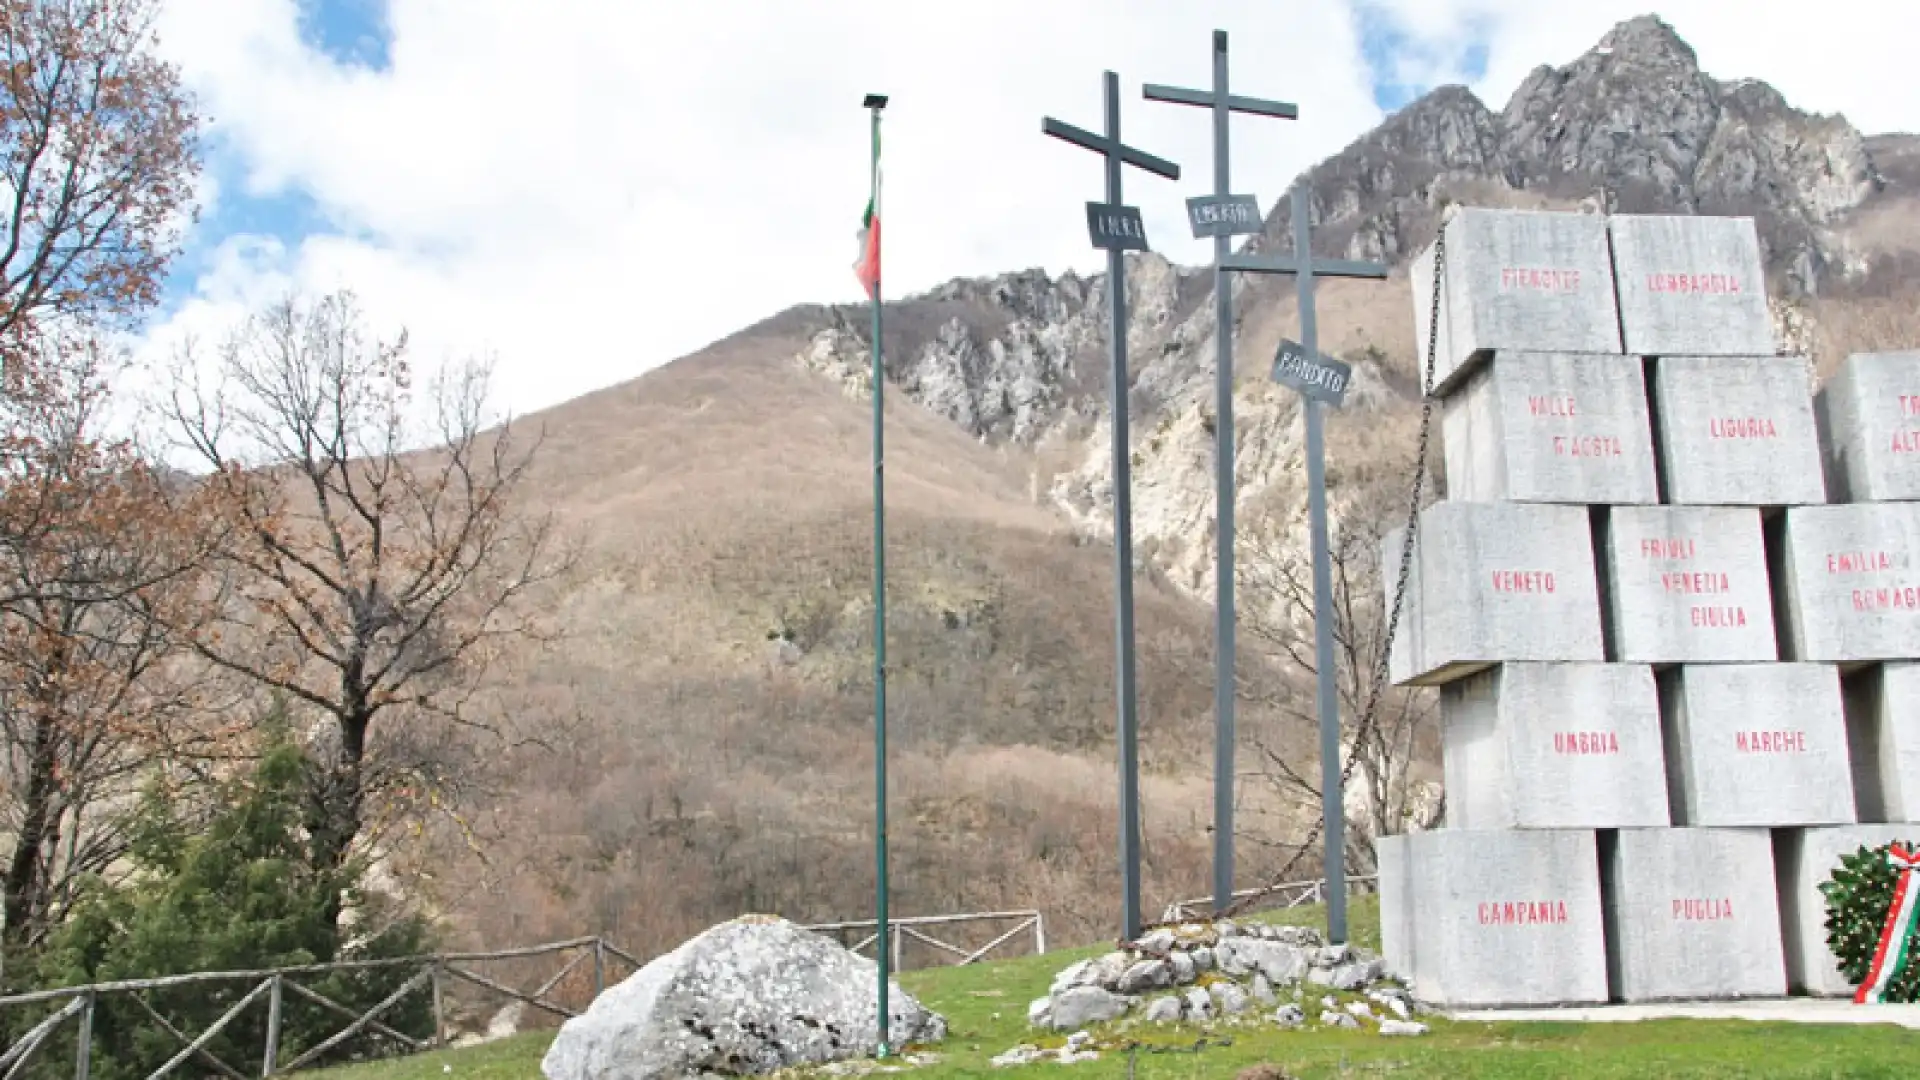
(583,190)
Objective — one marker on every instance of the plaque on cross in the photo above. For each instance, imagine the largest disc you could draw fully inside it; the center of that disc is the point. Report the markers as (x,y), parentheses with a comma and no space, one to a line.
(1117,227)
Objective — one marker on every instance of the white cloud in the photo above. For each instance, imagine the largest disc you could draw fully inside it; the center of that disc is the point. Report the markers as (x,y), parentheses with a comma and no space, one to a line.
(590,188)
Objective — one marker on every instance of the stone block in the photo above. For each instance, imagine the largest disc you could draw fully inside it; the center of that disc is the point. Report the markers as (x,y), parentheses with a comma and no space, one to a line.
(1756,745)
(1393,864)
(1553,746)
(1847,583)
(1803,858)
(1883,738)
(1494,582)
(1736,431)
(1690,285)
(1691,914)
(1686,585)
(1551,427)
(1516,279)
(1497,919)
(1869,417)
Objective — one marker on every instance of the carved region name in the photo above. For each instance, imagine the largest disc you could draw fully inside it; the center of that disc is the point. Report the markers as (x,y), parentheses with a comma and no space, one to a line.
(1695,284)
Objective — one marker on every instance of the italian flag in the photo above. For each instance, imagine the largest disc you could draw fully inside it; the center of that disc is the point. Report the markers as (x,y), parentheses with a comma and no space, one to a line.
(1895,950)
(868,268)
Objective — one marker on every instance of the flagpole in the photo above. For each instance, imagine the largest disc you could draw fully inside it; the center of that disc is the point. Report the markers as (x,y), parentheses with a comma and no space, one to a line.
(874,103)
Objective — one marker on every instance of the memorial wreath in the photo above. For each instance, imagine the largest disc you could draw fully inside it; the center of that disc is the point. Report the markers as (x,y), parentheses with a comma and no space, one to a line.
(1873,921)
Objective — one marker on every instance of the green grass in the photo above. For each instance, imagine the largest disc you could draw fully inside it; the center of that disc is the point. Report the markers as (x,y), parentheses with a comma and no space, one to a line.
(985,1006)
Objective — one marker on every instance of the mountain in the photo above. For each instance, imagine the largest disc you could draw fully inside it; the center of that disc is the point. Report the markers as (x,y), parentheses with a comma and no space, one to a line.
(716,680)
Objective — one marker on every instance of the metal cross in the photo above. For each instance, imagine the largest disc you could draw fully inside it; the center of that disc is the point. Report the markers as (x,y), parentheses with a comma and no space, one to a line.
(1306,269)
(1216,218)
(1101,221)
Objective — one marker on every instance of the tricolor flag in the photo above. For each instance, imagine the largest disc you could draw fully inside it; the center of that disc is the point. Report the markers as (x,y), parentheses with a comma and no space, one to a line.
(1895,950)
(868,268)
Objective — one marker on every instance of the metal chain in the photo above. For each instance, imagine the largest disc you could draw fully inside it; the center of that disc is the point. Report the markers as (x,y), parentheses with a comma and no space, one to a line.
(1382,662)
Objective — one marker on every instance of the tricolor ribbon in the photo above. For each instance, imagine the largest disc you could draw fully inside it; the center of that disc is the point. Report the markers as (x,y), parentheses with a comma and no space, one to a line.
(1896,947)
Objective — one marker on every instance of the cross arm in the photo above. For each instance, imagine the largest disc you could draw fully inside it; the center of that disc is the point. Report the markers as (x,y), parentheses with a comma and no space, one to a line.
(1259,106)
(1100,144)
(1290,264)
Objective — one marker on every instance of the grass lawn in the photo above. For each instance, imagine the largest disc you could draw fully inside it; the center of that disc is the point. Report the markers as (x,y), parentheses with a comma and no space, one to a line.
(985,1006)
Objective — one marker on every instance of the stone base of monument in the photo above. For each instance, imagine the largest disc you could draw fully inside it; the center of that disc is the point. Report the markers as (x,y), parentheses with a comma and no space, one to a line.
(1756,745)
(1686,585)
(1495,919)
(1551,427)
(1883,738)
(1690,285)
(1691,914)
(1494,582)
(1553,746)
(1516,279)
(1869,416)
(1736,431)
(1847,582)
(1803,859)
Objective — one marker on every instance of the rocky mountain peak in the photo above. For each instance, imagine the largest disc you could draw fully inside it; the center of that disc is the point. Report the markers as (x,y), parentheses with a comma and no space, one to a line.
(1633,121)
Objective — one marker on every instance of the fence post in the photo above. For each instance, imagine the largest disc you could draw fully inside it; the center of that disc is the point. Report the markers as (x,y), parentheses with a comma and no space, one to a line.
(599,967)
(439,1005)
(896,946)
(1039,933)
(83,1056)
(270,1060)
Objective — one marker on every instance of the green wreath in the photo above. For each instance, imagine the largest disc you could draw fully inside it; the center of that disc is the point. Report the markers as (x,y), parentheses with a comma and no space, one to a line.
(1859,896)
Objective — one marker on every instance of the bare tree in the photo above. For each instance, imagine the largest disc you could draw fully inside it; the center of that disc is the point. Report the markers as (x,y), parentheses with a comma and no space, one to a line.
(1382,735)
(369,581)
(99,554)
(97,161)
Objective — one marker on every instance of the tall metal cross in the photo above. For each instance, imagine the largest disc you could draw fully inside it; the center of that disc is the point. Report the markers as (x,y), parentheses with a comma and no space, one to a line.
(1321,381)
(1118,229)
(1222,217)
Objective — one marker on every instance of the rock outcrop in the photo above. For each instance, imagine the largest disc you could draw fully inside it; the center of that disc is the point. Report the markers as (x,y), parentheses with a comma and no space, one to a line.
(746,997)
(1631,126)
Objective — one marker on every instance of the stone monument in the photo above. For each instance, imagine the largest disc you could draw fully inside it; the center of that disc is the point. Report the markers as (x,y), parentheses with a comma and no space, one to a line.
(1676,682)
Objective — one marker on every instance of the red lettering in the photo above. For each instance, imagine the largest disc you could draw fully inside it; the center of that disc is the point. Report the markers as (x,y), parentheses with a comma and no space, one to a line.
(1586,446)
(1906,442)
(1696,581)
(1742,427)
(1523,581)
(1717,618)
(1770,742)
(1542,405)
(1522,912)
(1696,284)
(1585,742)
(1539,279)
(1678,547)
(1861,562)
(1910,404)
(1703,909)
(1887,598)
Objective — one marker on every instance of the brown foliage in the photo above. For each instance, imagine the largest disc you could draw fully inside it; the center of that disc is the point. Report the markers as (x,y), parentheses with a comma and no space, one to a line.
(1387,733)
(98,556)
(369,583)
(97,146)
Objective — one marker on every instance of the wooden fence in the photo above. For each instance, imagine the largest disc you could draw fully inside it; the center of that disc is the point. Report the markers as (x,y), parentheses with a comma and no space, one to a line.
(272,989)
(1292,894)
(562,994)
(918,929)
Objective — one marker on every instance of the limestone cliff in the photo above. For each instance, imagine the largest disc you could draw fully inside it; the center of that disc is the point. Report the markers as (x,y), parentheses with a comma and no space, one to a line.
(1633,125)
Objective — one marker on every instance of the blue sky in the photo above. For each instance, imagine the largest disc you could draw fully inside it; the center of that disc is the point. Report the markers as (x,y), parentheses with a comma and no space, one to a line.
(355,33)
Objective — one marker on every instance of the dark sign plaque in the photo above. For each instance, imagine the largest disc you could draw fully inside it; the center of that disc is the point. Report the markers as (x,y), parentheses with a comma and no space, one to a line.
(1116,228)
(1319,377)
(1223,215)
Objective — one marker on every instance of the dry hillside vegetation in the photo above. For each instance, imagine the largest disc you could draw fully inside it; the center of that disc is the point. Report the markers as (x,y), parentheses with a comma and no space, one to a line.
(715,690)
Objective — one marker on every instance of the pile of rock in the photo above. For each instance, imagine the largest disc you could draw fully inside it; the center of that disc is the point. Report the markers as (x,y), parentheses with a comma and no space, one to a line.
(1199,971)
